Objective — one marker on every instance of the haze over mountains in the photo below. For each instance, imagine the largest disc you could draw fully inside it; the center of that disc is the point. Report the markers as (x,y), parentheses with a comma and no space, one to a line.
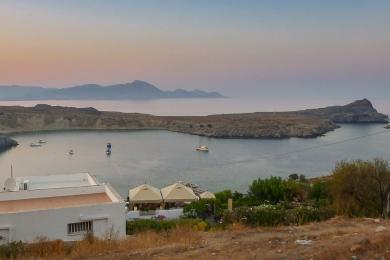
(136,90)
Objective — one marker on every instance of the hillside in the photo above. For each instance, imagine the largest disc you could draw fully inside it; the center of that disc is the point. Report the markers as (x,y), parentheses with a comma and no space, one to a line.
(337,238)
(308,123)
(134,91)
(360,111)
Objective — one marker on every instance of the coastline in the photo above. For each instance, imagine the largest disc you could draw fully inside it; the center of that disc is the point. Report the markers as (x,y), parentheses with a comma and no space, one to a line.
(308,123)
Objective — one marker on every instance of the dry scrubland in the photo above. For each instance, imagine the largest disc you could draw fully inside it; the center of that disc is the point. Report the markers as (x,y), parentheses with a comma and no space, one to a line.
(338,238)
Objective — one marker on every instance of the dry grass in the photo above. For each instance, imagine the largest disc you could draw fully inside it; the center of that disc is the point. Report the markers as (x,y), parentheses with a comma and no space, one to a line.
(43,248)
(238,228)
(338,238)
(90,246)
(185,236)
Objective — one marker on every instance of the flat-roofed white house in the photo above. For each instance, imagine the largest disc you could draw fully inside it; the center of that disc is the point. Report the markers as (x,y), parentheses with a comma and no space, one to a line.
(59,207)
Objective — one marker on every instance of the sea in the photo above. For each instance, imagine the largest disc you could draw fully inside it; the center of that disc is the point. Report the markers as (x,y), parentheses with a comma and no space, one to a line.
(160,157)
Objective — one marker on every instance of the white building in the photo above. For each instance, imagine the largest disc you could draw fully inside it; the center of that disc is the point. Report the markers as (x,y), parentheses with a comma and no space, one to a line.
(59,207)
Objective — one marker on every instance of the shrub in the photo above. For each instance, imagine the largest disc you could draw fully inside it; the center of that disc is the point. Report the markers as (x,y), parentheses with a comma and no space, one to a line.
(307,214)
(199,209)
(43,247)
(12,250)
(275,190)
(297,177)
(360,188)
(274,215)
(270,189)
(320,192)
(201,226)
(136,226)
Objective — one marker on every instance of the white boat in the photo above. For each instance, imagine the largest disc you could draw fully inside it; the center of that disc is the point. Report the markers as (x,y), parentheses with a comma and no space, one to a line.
(42,141)
(202,148)
(35,145)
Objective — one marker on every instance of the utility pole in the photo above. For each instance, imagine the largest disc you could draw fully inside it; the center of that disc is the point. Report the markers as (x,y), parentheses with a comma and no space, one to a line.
(388,205)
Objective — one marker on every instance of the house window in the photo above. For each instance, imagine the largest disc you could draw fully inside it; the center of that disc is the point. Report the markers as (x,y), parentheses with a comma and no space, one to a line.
(80,227)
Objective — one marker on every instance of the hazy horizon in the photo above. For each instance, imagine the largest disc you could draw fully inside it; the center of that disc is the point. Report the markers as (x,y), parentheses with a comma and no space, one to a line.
(238,48)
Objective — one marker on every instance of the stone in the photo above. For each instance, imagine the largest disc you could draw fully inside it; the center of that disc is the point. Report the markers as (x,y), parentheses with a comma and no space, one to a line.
(303,242)
(380,229)
(356,248)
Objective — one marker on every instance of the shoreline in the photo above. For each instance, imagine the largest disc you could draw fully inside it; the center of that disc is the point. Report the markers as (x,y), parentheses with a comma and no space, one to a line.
(310,123)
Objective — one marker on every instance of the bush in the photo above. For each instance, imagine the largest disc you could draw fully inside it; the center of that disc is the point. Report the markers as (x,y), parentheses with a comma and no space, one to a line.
(307,214)
(136,226)
(44,248)
(360,188)
(275,190)
(267,190)
(199,209)
(12,250)
(297,177)
(275,215)
(320,192)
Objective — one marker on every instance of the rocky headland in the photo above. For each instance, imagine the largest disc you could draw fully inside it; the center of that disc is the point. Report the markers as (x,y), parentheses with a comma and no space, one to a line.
(360,111)
(305,123)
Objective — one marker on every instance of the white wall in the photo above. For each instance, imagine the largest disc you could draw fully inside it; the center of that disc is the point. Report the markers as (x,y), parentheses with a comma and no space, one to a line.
(53,223)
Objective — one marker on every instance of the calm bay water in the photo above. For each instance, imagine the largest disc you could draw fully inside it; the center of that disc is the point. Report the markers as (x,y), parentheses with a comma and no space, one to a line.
(161,157)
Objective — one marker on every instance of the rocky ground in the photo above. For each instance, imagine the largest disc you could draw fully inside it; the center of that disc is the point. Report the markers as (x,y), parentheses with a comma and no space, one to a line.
(338,238)
(307,123)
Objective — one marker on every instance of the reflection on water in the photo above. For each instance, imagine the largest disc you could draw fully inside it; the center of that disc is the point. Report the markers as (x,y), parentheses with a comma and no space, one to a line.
(161,157)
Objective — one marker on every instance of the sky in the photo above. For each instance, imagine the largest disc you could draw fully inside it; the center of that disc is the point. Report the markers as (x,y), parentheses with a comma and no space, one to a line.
(246,47)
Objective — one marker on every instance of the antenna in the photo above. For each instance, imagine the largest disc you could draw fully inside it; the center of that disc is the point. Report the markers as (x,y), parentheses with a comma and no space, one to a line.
(10,183)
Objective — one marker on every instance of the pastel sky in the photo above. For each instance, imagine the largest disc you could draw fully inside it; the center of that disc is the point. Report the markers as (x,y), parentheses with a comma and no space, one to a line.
(249,46)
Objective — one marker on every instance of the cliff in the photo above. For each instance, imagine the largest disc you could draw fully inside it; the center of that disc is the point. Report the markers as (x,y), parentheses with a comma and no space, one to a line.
(307,123)
(360,111)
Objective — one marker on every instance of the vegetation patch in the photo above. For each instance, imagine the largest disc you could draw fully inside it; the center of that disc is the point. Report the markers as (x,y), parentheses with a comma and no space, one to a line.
(142,225)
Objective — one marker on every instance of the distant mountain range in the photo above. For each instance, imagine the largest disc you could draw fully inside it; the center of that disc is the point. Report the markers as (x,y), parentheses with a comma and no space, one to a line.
(135,90)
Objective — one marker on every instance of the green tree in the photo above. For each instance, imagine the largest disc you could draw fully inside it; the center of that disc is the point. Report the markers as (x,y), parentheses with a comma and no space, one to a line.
(270,189)
(320,192)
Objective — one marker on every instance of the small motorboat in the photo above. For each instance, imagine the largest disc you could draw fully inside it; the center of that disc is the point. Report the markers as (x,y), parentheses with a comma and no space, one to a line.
(202,148)
(71,152)
(42,141)
(35,145)
(108,150)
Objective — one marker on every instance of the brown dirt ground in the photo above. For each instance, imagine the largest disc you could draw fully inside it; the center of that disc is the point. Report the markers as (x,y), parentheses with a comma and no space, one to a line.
(338,238)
